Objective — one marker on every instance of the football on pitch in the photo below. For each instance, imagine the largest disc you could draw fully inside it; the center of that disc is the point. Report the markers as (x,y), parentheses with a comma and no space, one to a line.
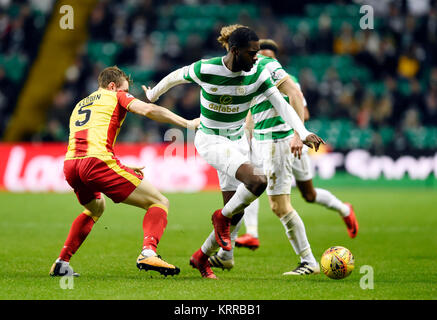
(337,262)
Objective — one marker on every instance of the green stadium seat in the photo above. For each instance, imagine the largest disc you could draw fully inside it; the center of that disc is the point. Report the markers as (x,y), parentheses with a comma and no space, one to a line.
(417,137)
(103,52)
(186,11)
(343,61)
(432,137)
(14,10)
(387,135)
(194,24)
(138,74)
(213,11)
(314,10)
(14,66)
(377,87)
(366,138)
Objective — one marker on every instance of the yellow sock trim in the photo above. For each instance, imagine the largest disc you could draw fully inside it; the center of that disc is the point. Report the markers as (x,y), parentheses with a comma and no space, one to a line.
(160,206)
(90,214)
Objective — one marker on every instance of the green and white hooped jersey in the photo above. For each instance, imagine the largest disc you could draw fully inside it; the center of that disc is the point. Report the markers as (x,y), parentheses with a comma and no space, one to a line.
(268,124)
(226,96)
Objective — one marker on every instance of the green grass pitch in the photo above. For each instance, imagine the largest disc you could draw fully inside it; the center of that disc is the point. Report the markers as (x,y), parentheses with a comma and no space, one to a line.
(397,238)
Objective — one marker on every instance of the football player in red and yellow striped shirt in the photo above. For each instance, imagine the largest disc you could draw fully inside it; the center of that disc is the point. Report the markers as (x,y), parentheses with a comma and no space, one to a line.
(91,168)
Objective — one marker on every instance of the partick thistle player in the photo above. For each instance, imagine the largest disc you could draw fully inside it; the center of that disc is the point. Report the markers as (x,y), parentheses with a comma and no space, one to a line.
(228,85)
(91,168)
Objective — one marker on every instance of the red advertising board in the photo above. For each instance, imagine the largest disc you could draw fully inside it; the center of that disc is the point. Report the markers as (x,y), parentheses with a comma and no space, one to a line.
(170,167)
(176,167)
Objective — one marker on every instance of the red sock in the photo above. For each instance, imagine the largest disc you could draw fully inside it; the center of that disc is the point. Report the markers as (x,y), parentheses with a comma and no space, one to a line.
(80,229)
(154,224)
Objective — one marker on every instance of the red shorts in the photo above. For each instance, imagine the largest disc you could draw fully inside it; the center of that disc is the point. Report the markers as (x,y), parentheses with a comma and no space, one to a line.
(90,176)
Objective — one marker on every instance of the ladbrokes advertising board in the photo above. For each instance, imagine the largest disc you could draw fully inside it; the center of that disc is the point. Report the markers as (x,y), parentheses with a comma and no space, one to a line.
(178,168)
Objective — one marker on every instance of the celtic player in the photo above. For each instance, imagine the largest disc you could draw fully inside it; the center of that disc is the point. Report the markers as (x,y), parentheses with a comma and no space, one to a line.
(301,170)
(273,154)
(270,144)
(228,85)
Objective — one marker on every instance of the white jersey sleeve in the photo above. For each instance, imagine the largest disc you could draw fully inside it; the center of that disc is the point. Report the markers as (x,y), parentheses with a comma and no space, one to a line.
(173,79)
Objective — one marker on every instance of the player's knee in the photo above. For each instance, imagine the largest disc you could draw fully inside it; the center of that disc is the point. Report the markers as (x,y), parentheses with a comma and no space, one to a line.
(309,196)
(100,208)
(164,202)
(96,210)
(257,184)
(279,209)
(276,208)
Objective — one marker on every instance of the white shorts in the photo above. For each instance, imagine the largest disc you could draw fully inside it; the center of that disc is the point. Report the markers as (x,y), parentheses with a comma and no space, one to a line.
(302,168)
(224,155)
(279,165)
(276,161)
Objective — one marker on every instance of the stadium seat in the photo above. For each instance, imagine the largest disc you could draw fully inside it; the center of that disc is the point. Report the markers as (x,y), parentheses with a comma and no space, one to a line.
(14,66)
(387,135)
(103,52)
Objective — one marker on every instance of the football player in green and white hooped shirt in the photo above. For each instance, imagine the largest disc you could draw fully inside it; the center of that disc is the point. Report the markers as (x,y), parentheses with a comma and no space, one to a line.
(270,133)
(228,85)
(273,154)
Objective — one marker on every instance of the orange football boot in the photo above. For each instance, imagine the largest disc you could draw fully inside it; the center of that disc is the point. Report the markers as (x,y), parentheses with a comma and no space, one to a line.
(351,222)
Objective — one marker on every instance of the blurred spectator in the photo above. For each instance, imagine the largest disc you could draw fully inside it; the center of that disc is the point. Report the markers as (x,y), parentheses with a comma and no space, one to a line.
(430,112)
(188,105)
(411,119)
(6,98)
(408,64)
(371,78)
(345,42)
(325,37)
(100,21)
(416,97)
(128,54)
(397,99)
(382,112)
(365,112)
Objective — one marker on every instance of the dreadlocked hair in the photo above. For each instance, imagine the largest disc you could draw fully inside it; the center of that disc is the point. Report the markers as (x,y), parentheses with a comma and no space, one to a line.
(225,33)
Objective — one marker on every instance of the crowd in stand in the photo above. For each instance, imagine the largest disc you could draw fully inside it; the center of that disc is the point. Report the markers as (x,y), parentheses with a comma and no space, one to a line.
(400,54)
(21,27)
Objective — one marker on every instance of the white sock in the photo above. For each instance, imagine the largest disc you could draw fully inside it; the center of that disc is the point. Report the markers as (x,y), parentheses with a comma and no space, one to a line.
(295,230)
(251,218)
(227,255)
(210,245)
(148,253)
(239,201)
(63,262)
(327,199)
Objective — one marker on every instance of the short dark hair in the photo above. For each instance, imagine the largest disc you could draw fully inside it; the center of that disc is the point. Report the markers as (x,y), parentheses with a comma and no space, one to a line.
(268,44)
(241,37)
(112,74)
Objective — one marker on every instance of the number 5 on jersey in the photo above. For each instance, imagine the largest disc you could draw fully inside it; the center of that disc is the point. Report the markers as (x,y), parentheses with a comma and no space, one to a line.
(86,112)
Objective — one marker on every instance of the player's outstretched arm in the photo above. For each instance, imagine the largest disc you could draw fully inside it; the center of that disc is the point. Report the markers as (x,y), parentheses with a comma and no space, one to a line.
(290,117)
(289,88)
(171,80)
(161,114)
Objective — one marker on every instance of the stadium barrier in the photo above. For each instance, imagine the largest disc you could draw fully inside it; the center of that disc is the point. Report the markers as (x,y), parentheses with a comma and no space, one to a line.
(175,167)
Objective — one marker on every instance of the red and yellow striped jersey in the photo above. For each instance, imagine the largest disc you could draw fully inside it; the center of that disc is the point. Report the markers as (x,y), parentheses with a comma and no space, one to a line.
(95,123)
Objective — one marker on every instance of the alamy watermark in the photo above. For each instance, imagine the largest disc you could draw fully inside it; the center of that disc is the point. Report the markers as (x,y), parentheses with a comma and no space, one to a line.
(367,280)
(67,280)
(67,20)
(367,20)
